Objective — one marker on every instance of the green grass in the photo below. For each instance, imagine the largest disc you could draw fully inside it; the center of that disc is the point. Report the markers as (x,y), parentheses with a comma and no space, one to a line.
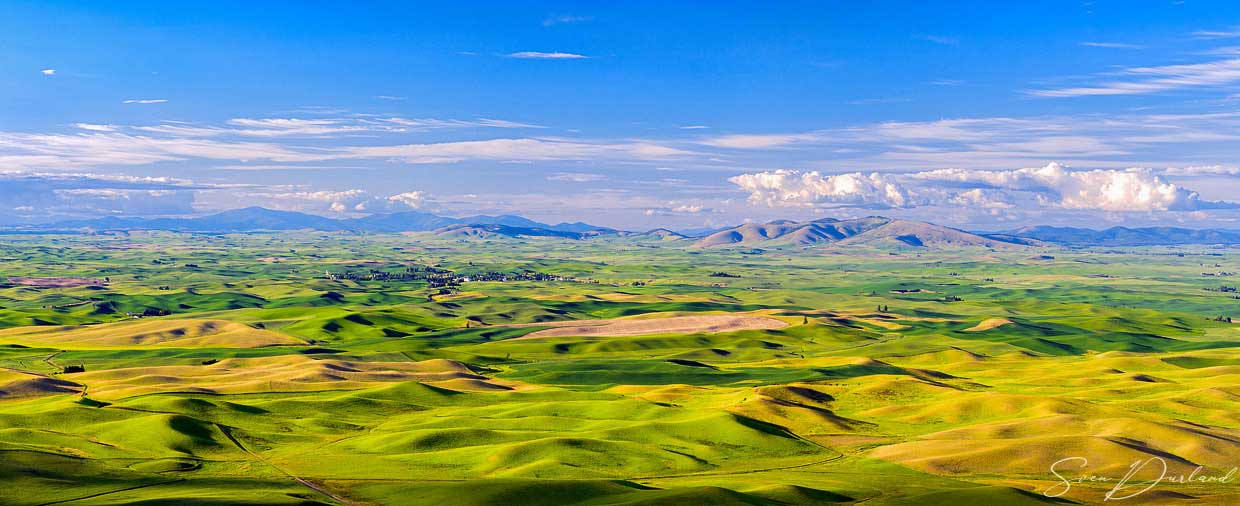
(751,417)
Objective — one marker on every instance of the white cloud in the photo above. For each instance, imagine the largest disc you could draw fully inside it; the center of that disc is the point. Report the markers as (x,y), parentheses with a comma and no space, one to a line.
(48,72)
(529,149)
(83,194)
(794,188)
(676,209)
(576,177)
(1106,190)
(1218,34)
(390,97)
(1203,170)
(756,141)
(559,20)
(939,40)
(324,127)
(1052,186)
(1112,45)
(144,101)
(414,200)
(344,201)
(1157,79)
(538,55)
(96,127)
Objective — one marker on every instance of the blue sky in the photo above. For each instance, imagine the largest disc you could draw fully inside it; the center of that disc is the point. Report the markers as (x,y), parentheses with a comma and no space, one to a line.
(683,114)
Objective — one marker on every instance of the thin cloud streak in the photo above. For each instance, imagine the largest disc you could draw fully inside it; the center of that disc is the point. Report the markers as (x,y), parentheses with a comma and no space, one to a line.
(538,55)
(1157,79)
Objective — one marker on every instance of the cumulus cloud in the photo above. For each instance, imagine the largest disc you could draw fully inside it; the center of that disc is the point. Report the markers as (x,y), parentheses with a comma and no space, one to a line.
(127,202)
(48,72)
(1051,186)
(413,200)
(1055,185)
(43,195)
(344,201)
(794,188)
(538,55)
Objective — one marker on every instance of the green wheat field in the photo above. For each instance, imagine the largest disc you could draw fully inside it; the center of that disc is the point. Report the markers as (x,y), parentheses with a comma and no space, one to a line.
(346,369)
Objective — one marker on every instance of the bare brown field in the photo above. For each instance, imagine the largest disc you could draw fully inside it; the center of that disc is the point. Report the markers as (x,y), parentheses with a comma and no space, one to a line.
(988,324)
(669,325)
(55,282)
(180,333)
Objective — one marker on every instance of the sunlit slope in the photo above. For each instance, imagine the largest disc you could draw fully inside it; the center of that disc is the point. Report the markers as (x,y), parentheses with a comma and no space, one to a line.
(891,378)
(188,333)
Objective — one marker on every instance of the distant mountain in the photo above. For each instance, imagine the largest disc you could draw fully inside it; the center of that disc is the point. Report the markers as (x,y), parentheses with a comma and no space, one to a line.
(488,231)
(400,222)
(247,219)
(258,218)
(700,232)
(1124,236)
(873,231)
(658,234)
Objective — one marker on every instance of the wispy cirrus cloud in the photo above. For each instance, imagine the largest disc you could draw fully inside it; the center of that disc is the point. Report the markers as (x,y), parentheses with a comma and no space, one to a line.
(539,55)
(144,101)
(1144,80)
(1099,140)
(324,127)
(94,127)
(1112,45)
(298,141)
(576,177)
(939,39)
(48,72)
(566,19)
(1228,33)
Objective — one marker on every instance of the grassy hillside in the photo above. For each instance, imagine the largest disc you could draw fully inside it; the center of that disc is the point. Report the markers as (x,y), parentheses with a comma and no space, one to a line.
(330,368)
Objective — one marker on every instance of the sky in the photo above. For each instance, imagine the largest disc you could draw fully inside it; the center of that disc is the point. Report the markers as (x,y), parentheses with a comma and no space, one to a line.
(635,115)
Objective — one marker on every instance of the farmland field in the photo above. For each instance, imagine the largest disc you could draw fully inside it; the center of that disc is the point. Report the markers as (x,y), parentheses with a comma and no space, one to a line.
(338,368)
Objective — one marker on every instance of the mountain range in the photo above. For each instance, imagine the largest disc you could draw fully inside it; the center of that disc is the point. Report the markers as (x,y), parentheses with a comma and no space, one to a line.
(257,218)
(873,230)
(1124,236)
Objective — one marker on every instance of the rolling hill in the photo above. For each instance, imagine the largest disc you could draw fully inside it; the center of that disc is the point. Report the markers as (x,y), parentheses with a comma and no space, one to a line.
(873,231)
(487,231)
